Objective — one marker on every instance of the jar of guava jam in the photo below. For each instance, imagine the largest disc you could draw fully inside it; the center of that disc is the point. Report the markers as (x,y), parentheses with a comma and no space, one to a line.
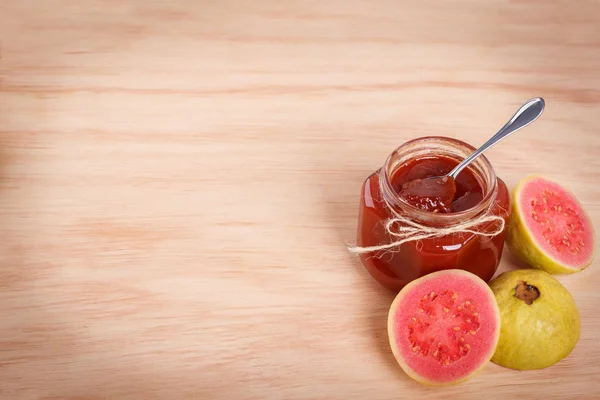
(478,194)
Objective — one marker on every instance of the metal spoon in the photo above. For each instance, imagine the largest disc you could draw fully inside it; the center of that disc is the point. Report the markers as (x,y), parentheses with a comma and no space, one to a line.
(529,112)
(443,188)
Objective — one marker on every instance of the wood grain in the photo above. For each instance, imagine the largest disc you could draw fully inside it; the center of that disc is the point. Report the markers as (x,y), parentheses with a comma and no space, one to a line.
(179,180)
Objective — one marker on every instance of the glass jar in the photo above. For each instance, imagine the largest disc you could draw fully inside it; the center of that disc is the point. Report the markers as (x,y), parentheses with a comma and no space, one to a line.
(479,254)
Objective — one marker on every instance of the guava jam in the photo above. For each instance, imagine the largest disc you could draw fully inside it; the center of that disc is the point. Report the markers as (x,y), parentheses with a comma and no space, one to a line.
(443,194)
(433,194)
(395,267)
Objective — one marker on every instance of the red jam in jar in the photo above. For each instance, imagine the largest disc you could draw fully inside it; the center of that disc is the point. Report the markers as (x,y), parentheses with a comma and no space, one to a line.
(397,189)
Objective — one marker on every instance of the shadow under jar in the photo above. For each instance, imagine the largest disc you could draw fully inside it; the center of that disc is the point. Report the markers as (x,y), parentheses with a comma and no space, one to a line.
(479,193)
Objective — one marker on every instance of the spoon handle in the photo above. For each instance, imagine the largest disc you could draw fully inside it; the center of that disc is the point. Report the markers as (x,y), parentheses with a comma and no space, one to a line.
(529,112)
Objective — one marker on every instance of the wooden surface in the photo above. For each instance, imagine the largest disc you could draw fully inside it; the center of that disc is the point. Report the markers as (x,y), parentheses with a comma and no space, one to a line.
(179,180)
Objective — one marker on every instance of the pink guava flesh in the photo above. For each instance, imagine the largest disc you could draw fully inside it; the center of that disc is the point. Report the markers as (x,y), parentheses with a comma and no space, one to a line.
(445,327)
(557,222)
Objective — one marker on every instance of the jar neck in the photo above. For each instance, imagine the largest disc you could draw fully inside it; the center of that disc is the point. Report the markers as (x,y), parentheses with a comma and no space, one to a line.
(434,146)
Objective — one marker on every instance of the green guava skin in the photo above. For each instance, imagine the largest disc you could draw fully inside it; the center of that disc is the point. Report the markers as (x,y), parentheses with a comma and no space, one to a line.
(539,335)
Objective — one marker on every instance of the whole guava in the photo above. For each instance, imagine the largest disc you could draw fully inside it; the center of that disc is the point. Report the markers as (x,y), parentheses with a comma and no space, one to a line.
(540,322)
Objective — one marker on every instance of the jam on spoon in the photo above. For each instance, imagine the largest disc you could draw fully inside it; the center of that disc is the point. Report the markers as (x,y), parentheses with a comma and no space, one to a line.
(433,195)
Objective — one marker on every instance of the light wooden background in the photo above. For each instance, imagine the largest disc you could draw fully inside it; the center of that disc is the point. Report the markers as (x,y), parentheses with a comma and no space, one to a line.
(179,180)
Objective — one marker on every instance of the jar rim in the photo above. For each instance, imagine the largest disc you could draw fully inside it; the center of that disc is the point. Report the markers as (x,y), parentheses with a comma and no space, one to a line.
(481,165)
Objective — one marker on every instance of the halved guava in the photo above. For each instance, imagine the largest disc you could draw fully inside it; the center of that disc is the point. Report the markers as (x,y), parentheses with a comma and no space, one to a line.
(548,228)
(444,327)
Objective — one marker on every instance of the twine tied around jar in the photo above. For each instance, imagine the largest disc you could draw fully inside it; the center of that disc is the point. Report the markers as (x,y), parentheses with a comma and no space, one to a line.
(406,230)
